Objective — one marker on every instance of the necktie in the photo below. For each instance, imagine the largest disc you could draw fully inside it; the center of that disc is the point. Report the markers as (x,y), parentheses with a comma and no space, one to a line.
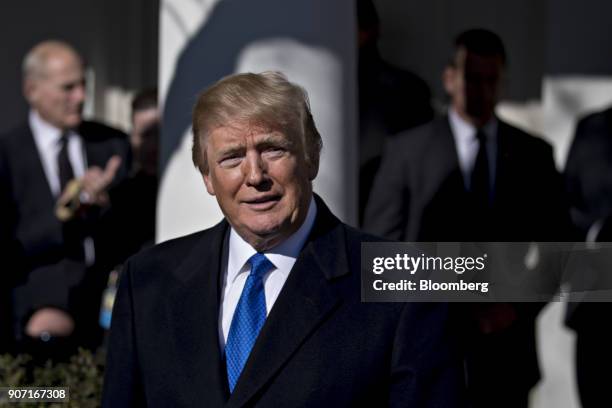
(248,319)
(480,181)
(63,163)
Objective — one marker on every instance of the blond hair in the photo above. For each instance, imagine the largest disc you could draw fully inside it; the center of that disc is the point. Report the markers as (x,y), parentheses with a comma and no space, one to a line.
(267,99)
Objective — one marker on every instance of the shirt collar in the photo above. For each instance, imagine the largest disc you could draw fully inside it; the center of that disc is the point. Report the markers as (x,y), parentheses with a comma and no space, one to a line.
(282,256)
(46,135)
(465,132)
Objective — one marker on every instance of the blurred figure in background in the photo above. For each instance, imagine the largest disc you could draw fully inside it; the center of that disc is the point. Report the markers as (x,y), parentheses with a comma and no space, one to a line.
(391,99)
(135,198)
(131,221)
(145,114)
(588,175)
(471,177)
(56,171)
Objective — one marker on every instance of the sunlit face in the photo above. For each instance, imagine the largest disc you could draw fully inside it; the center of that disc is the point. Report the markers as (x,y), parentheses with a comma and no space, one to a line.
(261,181)
(58,93)
(473,84)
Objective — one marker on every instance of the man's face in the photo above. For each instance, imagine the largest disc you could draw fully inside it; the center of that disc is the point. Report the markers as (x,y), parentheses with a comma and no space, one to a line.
(58,93)
(141,121)
(261,181)
(474,85)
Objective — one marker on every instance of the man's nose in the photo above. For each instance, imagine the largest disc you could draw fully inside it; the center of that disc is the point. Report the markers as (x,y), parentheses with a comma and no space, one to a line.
(255,169)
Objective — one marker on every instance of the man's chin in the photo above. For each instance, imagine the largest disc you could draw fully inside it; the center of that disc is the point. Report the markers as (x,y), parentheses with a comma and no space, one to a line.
(73,123)
(266,232)
(263,236)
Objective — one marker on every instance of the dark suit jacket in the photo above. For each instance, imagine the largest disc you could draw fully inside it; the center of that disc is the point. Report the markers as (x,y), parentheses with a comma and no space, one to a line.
(320,345)
(46,265)
(588,171)
(588,178)
(419,195)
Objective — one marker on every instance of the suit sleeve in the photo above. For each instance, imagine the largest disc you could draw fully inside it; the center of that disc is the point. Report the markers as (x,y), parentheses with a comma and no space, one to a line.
(559,219)
(574,179)
(122,380)
(387,209)
(14,269)
(426,368)
(553,225)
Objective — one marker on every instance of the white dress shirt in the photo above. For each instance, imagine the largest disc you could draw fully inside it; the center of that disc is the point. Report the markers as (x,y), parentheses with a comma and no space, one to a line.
(468,145)
(283,257)
(47,139)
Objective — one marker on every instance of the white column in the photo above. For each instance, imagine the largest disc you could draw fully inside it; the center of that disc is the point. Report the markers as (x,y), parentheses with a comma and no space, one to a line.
(312,42)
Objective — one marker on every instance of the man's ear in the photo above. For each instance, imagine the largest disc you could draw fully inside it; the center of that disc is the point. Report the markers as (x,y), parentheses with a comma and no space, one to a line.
(29,90)
(448,79)
(313,170)
(208,182)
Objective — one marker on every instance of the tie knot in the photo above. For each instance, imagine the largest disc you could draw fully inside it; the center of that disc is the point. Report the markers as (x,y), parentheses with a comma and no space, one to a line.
(63,141)
(260,265)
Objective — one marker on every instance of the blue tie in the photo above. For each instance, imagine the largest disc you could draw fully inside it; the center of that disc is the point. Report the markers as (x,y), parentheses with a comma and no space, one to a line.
(249,317)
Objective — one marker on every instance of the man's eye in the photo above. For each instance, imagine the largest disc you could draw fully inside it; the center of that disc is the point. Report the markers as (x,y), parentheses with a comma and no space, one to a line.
(273,152)
(72,86)
(230,161)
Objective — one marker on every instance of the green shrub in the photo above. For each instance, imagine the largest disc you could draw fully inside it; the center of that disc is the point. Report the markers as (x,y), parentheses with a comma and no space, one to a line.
(82,375)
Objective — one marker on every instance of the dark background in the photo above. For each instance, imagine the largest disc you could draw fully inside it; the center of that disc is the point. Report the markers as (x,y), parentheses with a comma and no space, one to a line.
(119,39)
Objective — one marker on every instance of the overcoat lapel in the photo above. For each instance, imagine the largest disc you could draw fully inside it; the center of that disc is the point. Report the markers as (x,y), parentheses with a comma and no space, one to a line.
(305,302)
(506,174)
(447,146)
(444,170)
(33,193)
(194,306)
(95,153)
(31,172)
(440,191)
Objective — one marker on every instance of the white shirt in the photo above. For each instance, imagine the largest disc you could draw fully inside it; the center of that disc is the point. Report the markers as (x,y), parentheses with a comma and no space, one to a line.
(283,257)
(47,139)
(468,145)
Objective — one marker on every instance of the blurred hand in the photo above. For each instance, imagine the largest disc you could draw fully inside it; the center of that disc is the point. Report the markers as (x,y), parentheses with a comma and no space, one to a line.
(96,181)
(53,321)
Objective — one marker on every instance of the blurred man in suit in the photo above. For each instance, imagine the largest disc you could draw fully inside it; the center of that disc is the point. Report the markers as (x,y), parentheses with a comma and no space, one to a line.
(471,177)
(587,174)
(391,100)
(145,114)
(589,185)
(135,198)
(264,309)
(59,258)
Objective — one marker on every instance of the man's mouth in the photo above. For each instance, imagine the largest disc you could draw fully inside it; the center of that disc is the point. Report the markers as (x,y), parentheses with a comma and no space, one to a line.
(262,203)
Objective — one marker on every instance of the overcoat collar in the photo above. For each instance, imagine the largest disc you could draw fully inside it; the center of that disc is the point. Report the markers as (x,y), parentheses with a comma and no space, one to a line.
(306,300)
